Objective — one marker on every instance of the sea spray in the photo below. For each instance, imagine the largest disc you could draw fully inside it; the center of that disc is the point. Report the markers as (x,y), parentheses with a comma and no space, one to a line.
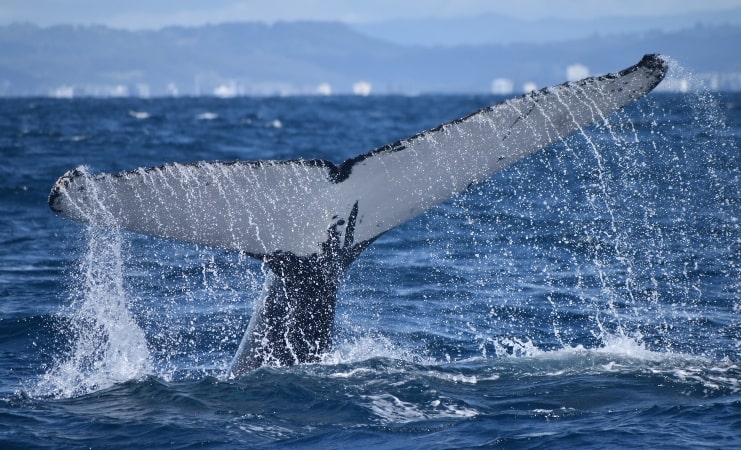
(106,345)
(576,392)
(603,278)
(610,218)
(193,302)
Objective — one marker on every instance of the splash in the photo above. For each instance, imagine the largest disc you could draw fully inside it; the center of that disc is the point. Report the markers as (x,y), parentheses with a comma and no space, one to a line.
(106,345)
(611,283)
(357,343)
(627,230)
(389,409)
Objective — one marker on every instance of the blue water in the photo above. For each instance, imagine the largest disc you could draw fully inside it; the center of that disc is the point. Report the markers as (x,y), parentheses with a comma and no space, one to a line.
(589,296)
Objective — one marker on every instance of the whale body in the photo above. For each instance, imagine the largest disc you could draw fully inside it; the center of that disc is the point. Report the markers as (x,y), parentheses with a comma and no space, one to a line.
(308,220)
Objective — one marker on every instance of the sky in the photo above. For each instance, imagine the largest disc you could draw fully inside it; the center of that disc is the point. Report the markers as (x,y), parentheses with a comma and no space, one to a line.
(152,14)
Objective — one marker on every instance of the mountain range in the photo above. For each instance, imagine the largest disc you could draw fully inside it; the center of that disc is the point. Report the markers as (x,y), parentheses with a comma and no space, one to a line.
(499,29)
(255,58)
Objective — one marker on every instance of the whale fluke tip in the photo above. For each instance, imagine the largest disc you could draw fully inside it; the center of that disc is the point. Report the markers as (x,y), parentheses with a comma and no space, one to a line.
(655,61)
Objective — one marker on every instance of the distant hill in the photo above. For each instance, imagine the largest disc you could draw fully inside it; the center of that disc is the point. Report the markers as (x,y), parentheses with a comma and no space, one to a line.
(488,29)
(322,57)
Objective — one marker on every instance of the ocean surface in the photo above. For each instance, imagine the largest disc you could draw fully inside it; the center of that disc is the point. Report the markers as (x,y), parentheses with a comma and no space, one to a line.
(587,297)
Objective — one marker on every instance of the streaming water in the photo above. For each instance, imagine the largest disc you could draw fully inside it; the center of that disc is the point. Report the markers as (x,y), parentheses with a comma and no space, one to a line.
(106,345)
(590,295)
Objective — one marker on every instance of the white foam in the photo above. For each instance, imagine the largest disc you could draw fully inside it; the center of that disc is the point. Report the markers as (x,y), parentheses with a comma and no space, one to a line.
(515,347)
(106,344)
(368,346)
(207,116)
(141,115)
(390,409)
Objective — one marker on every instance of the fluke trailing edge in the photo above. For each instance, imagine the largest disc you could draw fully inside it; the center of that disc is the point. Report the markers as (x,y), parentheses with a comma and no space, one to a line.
(309,219)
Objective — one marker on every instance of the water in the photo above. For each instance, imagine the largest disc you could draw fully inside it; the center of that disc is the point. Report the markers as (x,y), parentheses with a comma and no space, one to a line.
(590,296)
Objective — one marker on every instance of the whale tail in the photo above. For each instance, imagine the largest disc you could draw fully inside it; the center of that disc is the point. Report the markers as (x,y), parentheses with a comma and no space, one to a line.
(308,219)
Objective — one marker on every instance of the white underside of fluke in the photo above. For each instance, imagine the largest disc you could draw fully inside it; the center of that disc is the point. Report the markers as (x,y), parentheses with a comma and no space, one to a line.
(266,207)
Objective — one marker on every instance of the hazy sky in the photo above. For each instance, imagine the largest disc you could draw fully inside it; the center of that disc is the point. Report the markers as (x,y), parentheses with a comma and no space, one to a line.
(137,14)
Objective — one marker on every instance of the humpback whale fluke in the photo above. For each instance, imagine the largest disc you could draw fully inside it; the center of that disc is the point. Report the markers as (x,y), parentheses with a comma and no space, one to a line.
(309,219)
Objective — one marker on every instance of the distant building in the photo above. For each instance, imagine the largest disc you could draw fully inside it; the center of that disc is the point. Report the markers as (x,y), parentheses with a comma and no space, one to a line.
(226,90)
(576,72)
(63,91)
(324,89)
(362,88)
(143,90)
(675,84)
(118,91)
(529,87)
(502,86)
(172,90)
